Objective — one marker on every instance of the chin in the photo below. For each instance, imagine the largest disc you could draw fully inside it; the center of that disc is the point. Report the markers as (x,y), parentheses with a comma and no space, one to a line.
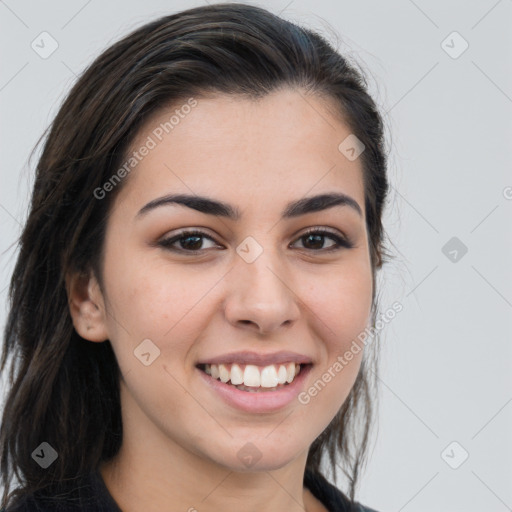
(261,465)
(262,455)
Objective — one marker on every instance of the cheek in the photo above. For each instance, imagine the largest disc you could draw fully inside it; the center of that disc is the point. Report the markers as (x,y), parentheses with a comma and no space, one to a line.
(341,307)
(341,312)
(342,304)
(164,303)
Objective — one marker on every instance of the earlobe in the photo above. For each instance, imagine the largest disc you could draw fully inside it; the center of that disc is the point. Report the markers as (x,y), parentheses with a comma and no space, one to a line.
(87,307)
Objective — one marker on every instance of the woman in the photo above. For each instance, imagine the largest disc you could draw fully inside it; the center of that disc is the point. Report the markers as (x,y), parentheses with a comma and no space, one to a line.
(195,274)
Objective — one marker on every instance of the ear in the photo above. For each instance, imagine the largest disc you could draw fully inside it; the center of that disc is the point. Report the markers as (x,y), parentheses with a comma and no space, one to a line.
(87,306)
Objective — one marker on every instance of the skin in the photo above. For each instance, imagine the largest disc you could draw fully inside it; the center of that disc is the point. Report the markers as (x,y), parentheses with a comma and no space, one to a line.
(180,440)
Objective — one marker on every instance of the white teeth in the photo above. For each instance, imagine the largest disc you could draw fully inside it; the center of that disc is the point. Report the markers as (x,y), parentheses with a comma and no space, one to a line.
(269,377)
(224,373)
(290,372)
(282,374)
(254,376)
(237,375)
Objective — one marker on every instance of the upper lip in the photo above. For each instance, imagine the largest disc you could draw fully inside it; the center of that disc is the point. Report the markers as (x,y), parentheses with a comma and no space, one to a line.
(247,357)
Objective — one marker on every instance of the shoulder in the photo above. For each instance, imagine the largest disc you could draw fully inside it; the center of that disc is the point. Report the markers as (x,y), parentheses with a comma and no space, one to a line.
(331,497)
(27,503)
(30,503)
(86,494)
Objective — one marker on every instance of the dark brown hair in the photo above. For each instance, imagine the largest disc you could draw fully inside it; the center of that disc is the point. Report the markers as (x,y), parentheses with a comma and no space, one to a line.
(65,390)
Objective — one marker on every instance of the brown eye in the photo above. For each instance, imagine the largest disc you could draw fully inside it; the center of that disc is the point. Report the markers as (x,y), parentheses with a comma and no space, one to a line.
(314,240)
(189,241)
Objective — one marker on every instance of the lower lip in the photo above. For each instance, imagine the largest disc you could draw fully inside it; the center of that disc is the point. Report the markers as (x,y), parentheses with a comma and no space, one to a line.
(261,401)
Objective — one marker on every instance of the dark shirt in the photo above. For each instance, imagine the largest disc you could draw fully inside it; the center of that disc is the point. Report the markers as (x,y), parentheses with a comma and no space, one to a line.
(92,495)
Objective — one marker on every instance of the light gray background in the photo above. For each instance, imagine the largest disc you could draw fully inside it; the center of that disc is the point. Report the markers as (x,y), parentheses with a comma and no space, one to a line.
(446,357)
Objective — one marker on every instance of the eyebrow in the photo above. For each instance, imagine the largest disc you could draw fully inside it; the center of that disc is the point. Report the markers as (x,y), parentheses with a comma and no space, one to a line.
(218,208)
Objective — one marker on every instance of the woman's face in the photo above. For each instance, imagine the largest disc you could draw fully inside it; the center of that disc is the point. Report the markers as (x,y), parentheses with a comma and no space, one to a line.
(249,285)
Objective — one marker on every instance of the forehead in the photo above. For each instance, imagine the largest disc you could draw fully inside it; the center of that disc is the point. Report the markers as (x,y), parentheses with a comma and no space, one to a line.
(284,144)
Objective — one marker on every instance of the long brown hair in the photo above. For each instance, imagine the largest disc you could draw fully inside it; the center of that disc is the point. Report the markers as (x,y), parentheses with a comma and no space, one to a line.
(65,390)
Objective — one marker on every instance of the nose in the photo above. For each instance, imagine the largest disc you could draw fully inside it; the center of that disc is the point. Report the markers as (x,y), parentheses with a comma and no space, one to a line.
(261,295)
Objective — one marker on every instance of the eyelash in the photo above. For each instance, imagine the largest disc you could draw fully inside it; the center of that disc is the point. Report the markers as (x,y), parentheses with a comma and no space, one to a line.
(340,241)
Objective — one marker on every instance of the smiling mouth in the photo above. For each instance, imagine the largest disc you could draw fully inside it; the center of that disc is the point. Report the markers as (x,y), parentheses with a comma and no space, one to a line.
(252,378)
